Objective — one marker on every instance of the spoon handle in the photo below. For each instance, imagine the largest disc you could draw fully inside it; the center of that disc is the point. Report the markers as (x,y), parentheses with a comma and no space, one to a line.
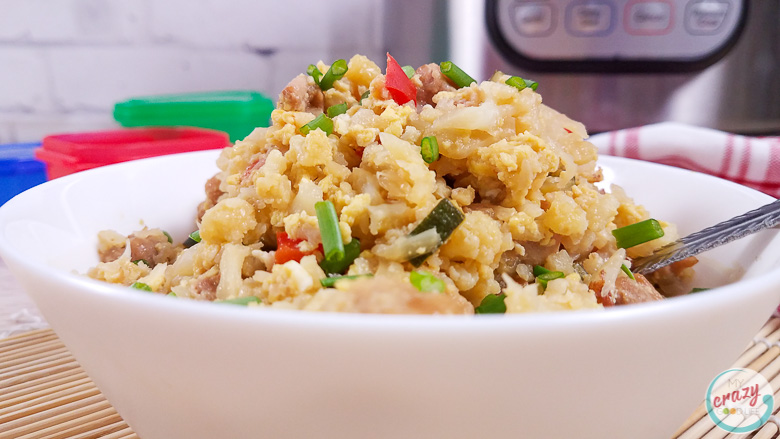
(711,237)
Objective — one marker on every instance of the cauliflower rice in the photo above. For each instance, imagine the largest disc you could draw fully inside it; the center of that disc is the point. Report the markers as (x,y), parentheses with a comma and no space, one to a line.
(521,175)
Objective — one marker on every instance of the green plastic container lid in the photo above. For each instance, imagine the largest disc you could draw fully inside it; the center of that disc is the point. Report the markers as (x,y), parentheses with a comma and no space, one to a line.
(235,112)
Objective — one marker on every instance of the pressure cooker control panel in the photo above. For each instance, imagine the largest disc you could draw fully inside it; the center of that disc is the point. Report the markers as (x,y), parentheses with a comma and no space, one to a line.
(614,35)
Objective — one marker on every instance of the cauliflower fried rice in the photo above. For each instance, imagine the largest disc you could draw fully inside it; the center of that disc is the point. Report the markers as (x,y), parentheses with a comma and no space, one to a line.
(528,228)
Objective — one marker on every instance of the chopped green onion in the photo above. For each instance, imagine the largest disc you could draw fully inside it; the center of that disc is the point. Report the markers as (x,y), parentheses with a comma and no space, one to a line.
(141,286)
(168,235)
(409,70)
(172,294)
(539,270)
(315,73)
(699,290)
(335,110)
(365,94)
(193,239)
(520,83)
(330,282)
(425,282)
(334,73)
(243,301)
(445,218)
(330,232)
(195,236)
(141,260)
(637,233)
(543,275)
(492,304)
(351,252)
(516,82)
(627,271)
(322,122)
(543,278)
(429,148)
(456,75)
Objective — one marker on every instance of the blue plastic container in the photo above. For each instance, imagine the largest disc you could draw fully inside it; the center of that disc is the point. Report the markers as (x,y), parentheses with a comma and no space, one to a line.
(19,170)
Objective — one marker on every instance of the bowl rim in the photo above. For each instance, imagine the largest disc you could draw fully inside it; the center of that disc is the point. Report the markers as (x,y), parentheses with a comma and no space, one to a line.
(379,322)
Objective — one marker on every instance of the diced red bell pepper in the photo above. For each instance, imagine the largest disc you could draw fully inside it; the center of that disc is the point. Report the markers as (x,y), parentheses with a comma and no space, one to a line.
(287,249)
(398,84)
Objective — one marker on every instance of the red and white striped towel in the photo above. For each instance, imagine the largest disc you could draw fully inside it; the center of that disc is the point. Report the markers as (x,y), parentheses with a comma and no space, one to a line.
(751,161)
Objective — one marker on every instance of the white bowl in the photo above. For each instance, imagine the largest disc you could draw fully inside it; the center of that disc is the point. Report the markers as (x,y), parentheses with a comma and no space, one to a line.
(183,369)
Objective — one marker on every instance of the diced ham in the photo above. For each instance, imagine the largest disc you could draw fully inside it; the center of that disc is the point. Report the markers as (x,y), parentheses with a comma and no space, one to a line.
(213,192)
(433,81)
(536,254)
(111,254)
(151,246)
(675,278)
(627,291)
(254,166)
(206,287)
(301,94)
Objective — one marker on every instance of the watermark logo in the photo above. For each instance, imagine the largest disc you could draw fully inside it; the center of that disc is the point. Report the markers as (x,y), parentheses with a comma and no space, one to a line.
(739,400)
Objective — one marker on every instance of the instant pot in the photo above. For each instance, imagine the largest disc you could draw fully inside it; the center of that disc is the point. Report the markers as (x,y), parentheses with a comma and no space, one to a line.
(611,64)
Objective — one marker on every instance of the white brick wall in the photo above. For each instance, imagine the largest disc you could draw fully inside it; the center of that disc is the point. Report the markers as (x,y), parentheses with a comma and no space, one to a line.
(94,78)
(72,21)
(269,24)
(64,63)
(24,83)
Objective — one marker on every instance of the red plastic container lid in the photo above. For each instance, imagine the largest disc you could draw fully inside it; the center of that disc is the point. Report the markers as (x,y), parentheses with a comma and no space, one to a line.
(79,151)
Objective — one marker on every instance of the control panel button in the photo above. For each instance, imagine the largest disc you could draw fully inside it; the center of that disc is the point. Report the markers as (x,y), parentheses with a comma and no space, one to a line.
(649,17)
(589,19)
(706,16)
(533,19)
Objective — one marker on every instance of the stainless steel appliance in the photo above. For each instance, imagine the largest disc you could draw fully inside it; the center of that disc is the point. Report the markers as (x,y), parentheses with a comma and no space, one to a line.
(612,63)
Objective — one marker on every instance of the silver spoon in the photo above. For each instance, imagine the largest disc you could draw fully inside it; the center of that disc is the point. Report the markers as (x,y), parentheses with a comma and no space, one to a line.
(714,236)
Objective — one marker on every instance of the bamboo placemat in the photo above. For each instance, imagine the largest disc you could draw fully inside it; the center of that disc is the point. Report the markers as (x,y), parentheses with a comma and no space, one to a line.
(762,355)
(44,393)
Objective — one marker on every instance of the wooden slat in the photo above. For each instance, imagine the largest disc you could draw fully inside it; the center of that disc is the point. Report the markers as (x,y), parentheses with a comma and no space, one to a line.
(126,433)
(27,336)
(42,382)
(104,430)
(768,431)
(42,365)
(771,326)
(92,424)
(18,342)
(45,402)
(30,350)
(68,408)
(31,353)
(770,333)
(33,392)
(32,357)
(38,373)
